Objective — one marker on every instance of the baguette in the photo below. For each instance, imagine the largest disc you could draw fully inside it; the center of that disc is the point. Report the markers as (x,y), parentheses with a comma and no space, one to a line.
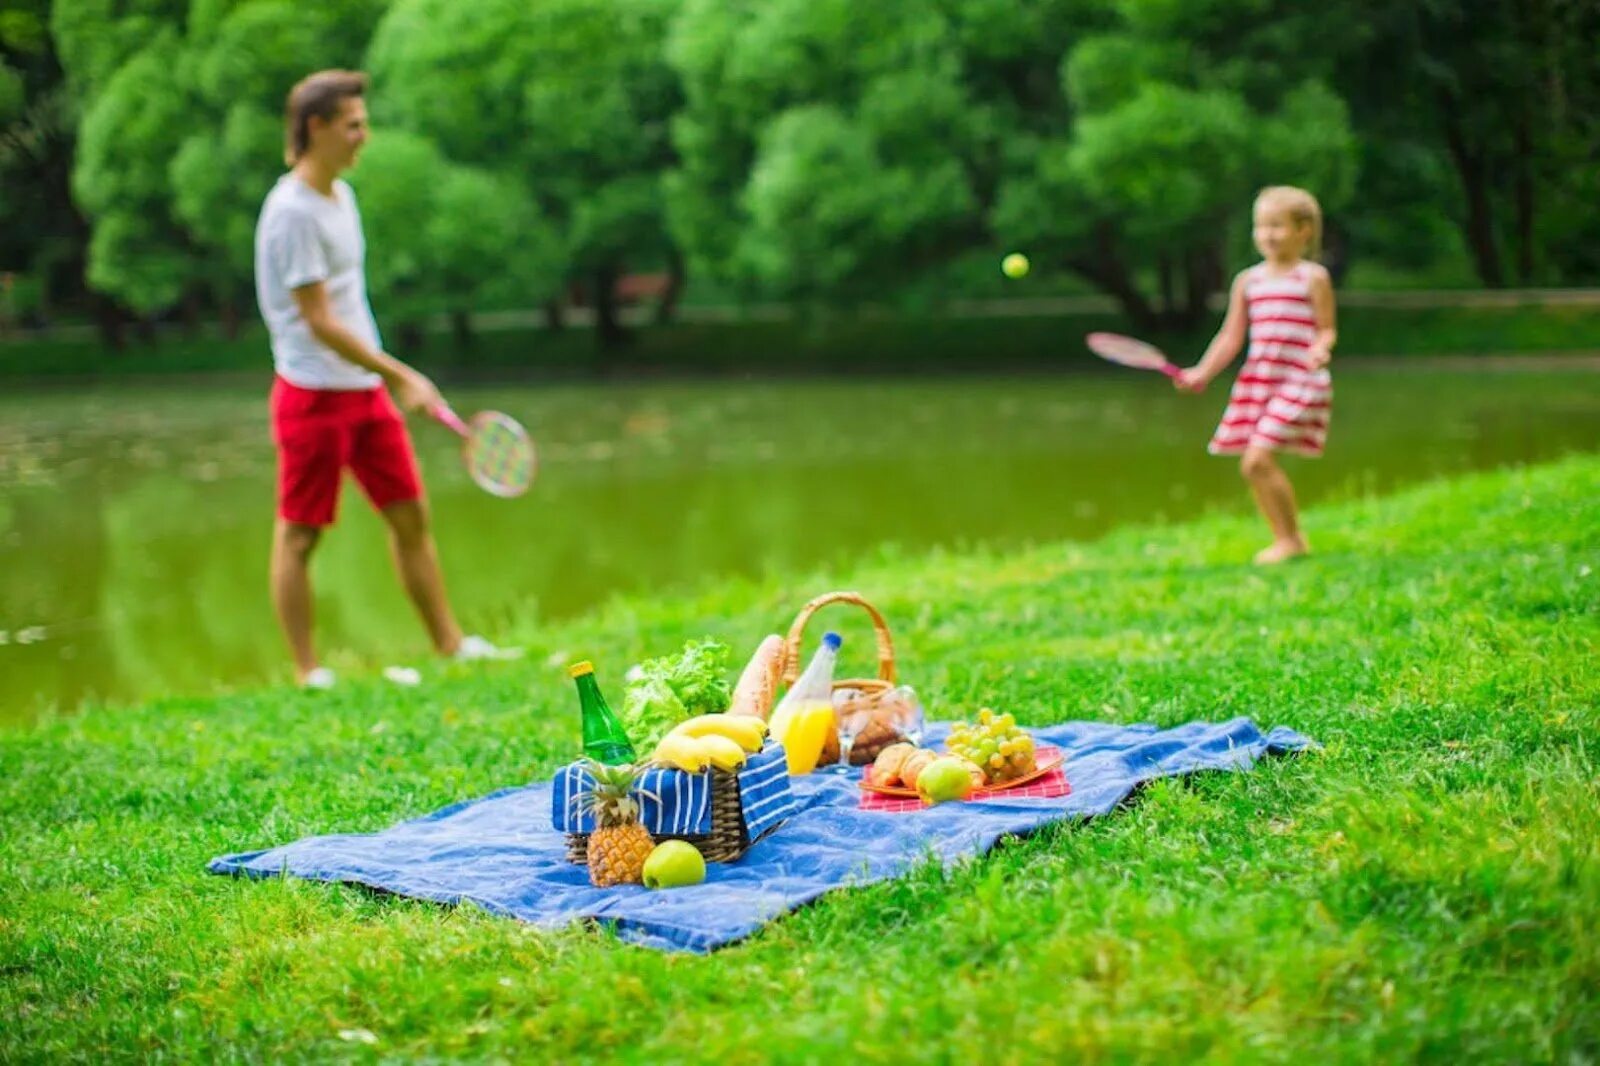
(758,685)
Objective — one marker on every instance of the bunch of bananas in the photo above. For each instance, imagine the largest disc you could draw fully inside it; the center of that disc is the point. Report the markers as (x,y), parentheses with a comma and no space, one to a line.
(718,740)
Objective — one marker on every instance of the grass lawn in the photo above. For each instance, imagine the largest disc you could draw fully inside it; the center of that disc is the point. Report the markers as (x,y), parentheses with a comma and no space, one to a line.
(1426,887)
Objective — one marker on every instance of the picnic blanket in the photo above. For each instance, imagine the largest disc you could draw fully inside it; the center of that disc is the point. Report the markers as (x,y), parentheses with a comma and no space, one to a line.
(500,852)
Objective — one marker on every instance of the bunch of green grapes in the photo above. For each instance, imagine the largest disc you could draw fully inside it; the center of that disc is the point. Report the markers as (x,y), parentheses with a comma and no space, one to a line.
(995,744)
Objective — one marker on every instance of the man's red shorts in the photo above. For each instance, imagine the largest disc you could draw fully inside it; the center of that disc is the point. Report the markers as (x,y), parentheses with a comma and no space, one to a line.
(320,433)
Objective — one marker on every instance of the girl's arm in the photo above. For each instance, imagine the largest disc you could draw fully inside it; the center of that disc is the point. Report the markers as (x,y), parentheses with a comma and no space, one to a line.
(1224,347)
(1322,306)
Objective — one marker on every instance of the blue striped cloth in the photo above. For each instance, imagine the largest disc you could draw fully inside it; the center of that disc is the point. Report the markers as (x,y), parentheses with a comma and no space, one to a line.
(678,803)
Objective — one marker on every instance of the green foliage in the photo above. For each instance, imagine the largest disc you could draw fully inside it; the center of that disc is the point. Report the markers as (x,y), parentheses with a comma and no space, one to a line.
(823,150)
(567,101)
(129,136)
(446,237)
(1423,887)
(1107,147)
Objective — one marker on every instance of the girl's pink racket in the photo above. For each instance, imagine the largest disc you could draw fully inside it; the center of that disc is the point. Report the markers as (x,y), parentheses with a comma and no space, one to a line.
(1116,348)
(497,451)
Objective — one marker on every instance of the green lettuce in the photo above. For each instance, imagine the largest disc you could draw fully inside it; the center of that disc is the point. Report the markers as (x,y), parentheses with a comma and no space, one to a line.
(663,693)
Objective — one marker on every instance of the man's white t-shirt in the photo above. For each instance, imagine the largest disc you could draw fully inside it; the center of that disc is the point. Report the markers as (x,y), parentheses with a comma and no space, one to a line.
(303,237)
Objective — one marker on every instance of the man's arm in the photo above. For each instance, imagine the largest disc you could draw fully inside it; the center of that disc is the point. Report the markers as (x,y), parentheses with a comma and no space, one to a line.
(412,389)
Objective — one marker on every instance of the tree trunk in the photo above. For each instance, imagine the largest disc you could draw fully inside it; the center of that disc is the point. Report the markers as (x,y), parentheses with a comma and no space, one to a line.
(608,330)
(461,330)
(1199,282)
(1479,226)
(554,315)
(190,314)
(411,338)
(1524,198)
(110,321)
(230,318)
(677,274)
(1107,271)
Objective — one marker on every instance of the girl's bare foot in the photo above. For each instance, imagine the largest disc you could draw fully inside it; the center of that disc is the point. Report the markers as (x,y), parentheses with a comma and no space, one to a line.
(1281,551)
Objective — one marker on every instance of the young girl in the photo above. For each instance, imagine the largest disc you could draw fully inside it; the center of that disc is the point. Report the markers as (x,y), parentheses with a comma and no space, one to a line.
(1280,401)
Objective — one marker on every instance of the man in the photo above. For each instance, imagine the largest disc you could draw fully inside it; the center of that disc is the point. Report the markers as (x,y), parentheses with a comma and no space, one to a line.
(331,406)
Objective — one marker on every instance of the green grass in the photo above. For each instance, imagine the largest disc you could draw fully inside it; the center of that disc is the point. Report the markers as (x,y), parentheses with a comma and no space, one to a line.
(1426,887)
(846,343)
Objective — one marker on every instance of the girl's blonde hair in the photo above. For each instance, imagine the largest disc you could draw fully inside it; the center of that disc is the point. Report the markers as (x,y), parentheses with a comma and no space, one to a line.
(1302,208)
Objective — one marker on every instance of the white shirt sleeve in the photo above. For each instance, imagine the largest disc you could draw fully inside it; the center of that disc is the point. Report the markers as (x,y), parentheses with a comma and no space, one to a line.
(296,251)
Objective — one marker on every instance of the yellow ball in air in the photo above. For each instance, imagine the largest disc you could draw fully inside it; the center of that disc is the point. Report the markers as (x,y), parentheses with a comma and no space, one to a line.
(1014,265)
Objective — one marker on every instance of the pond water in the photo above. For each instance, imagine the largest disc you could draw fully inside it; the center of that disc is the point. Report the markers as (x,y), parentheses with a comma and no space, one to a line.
(135,521)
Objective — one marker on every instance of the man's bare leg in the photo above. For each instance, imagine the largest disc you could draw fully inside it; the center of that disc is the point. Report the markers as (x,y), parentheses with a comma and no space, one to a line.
(1275,496)
(292,544)
(418,563)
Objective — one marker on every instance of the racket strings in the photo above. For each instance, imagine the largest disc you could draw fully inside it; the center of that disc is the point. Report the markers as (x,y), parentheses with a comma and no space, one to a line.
(500,457)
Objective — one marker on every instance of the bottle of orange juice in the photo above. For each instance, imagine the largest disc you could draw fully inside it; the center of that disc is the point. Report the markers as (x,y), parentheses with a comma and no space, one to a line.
(805,713)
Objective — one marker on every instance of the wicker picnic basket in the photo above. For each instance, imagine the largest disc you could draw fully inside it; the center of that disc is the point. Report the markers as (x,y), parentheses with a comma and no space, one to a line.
(728,840)
(877,694)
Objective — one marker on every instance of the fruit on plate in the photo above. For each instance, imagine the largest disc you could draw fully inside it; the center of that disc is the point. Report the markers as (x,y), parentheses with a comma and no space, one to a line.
(696,753)
(744,730)
(912,768)
(900,765)
(886,768)
(996,745)
(945,778)
(673,864)
(619,845)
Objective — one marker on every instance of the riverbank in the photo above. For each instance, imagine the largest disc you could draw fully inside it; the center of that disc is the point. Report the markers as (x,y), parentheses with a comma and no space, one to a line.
(988,336)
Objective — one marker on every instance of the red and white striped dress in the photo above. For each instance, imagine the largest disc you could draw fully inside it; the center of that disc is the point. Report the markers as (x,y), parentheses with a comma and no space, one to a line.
(1278,401)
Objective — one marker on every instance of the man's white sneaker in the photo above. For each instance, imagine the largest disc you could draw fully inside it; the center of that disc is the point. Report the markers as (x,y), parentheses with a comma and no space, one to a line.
(320,678)
(474,648)
(403,675)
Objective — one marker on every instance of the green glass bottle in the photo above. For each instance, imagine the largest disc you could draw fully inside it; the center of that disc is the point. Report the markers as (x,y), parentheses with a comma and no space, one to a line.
(604,739)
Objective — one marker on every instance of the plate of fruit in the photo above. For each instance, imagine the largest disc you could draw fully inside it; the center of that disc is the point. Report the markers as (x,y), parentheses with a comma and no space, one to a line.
(994,751)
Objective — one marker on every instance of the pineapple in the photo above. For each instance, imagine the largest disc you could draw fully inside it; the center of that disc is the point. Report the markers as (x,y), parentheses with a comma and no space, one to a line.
(619,845)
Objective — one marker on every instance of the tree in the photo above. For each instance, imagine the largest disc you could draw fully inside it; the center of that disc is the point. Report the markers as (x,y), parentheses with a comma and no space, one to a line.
(242,60)
(1504,96)
(1093,132)
(129,136)
(568,100)
(41,232)
(445,238)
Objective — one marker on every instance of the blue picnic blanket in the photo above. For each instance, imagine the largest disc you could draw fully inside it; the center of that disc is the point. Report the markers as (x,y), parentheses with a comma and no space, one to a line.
(678,803)
(501,853)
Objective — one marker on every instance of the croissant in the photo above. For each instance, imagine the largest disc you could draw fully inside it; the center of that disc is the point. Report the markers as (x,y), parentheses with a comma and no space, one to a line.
(912,768)
(886,768)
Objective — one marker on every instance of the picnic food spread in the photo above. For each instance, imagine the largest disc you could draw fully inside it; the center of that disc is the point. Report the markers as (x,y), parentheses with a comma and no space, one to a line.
(695,770)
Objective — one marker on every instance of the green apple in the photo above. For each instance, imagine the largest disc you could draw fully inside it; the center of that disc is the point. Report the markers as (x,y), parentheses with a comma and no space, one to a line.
(673,864)
(945,778)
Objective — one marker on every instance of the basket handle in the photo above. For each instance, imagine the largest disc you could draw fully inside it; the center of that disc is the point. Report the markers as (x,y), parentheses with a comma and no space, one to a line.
(880,628)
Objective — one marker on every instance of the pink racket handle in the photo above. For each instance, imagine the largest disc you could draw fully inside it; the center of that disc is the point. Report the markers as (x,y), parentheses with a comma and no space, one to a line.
(1171,371)
(450,418)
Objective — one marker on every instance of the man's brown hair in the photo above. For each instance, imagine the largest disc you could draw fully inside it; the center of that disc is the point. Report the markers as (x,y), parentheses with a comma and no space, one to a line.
(320,94)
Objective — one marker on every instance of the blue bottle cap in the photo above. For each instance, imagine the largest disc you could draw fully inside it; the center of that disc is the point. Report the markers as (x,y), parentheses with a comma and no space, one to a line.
(832,640)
